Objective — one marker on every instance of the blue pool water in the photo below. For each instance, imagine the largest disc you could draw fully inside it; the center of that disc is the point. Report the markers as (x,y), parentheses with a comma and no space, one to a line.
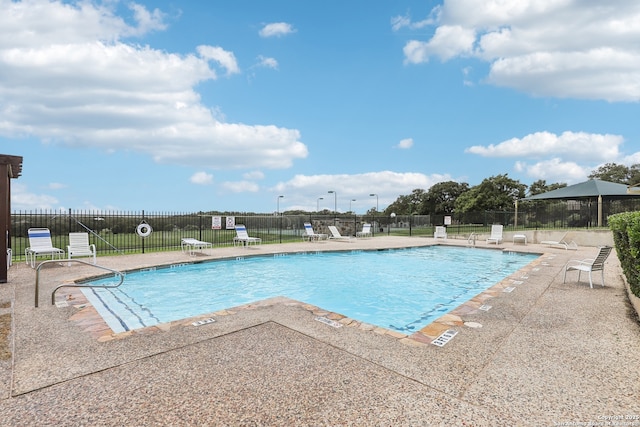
(403,290)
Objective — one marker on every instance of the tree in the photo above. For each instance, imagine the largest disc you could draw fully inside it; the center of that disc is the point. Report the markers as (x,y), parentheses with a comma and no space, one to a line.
(407,204)
(540,186)
(441,197)
(620,174)
(497,193)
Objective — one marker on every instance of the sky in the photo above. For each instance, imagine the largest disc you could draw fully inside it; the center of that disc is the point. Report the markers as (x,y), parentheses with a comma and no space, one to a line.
(168,106)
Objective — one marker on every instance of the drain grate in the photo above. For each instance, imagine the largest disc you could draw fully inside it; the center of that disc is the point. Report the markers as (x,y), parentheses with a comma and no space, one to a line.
(444,338)
(329,322)
(204,322)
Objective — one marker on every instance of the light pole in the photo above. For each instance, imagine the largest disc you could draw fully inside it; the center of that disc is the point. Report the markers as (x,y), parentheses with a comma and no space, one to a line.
(318,203)
(373,194)
(393,217)
(335,201)
(279,218)
(352,200)
(278,204)
(376,212)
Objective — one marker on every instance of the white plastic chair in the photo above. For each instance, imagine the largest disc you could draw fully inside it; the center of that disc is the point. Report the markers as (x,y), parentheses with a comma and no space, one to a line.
(366,231)
(335,234)
(40,244)
(440,232)
(589,265)
(243,237)
(496,234)
(79,246)
(192,246)
(312,235)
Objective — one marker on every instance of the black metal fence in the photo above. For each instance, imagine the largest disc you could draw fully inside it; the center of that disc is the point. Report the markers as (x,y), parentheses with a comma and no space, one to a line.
(116,232)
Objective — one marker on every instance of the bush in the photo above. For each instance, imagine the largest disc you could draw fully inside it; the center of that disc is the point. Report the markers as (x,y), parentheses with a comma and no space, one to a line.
(626,236)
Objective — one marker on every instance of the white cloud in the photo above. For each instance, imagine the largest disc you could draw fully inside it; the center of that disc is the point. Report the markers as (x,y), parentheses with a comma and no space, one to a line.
(241,186)
(447,42)
(405,143)
(303,191)
(253,175)
(592,147)
(554,170)
(23,199)
(276,29)
(68,79)
(56,186)
(201,178)
(267,62)
(559,48)
(226,59)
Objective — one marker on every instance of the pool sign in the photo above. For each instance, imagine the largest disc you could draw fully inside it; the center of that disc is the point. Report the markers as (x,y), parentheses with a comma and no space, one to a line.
(216,223)
(231,222)
(447,220)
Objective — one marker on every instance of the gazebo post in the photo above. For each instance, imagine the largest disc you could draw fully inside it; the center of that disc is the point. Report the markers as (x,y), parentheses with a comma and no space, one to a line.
(599,210)
(10,167)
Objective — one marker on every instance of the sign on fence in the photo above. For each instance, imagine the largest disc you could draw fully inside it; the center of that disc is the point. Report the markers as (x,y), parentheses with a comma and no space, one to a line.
(216,223)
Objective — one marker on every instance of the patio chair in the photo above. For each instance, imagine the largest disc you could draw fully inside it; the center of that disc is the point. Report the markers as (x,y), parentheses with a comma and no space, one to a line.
(311,235)
(589,265)
(40,244)
(335,234)
(242,237)
(79,246)
(561,243)
(192,246)
(496,234)
(440,232)
(366,231)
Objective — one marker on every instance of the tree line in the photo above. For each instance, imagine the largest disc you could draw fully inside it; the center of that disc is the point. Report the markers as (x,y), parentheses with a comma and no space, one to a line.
(496,193)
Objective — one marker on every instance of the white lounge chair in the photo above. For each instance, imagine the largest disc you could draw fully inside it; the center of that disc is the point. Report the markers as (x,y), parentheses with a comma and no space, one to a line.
(366,231)
(335,234)
(589,265)
(440,232)
(40,244)
(496,234)
(242,237)
(561,243)
(79,246)
(191,246)
(311,235)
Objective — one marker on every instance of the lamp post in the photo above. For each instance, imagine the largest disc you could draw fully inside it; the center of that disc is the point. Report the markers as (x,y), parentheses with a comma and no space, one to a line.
(279,218)
(393,217)
(352,200)
(373,194)
(376,213)
(335,204)
(278,204)
(335,201)
(318,203)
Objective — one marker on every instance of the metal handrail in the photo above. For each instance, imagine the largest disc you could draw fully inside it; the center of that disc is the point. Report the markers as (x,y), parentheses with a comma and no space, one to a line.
(73,285)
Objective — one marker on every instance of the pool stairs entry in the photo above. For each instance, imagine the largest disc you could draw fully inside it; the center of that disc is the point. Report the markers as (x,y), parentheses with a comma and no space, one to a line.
(108,302)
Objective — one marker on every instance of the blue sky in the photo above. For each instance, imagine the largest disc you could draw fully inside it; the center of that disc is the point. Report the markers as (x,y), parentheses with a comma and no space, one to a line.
(198,106)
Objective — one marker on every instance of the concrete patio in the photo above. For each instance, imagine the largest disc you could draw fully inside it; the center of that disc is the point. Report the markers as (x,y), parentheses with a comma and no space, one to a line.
(546,353)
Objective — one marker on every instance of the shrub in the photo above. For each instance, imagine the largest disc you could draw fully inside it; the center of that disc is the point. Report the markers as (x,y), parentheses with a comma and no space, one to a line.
(626,236)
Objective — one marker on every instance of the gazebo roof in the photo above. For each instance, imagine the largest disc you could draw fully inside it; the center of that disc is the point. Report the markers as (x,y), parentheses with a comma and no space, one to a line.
(587,189)
(14,163)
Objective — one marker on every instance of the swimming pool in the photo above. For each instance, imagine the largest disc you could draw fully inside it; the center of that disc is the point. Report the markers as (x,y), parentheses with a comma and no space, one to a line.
(398,289)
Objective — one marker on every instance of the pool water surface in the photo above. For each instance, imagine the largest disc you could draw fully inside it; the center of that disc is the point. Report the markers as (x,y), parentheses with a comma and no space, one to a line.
(398,289)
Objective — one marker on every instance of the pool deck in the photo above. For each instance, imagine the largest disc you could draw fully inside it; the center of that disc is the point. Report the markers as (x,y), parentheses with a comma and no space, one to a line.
(530,351)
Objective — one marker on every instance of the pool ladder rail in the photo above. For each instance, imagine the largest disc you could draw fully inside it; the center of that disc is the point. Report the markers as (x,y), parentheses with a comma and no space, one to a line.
(472,239)
(73,285)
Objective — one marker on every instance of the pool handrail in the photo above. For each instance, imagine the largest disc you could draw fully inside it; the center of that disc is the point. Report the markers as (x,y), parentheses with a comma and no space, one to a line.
(73,285)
